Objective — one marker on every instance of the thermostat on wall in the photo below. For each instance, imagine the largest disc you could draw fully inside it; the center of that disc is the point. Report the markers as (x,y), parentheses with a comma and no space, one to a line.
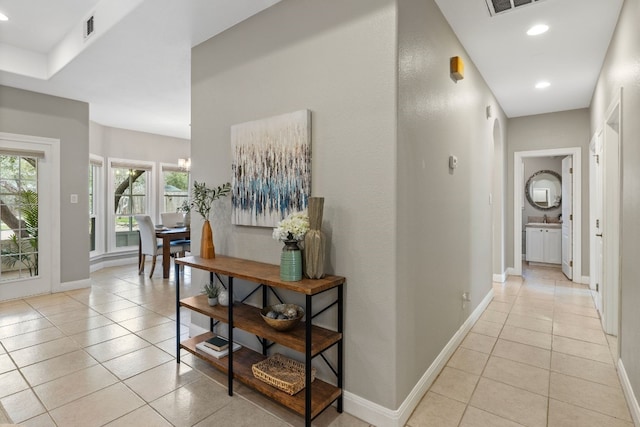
(453,162)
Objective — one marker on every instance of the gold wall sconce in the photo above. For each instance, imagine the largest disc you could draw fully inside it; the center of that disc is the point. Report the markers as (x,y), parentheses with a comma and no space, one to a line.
(456,68)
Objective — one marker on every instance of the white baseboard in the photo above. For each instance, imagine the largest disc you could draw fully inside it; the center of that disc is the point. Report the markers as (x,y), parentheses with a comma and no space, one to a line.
(69,286)
(584,280)
(512,272)
(632,401)
(384,417)
(500,278)
(113,263)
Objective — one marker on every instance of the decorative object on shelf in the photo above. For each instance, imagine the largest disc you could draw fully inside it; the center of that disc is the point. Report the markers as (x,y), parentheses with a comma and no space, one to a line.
(314,241)
(212,291)
(271,168)
(223,298)
(282,317)
(283,373)
(201,201)
(291,230)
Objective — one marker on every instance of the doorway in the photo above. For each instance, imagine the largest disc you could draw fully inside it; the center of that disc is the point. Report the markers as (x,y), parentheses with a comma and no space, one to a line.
(518,205)
(606,216)
(30,225)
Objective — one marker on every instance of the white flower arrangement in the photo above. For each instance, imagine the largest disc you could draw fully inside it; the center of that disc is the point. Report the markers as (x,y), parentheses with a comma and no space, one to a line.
(293,227)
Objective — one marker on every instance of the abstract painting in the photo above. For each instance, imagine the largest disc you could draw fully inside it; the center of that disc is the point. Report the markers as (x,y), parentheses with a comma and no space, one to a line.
(271,167)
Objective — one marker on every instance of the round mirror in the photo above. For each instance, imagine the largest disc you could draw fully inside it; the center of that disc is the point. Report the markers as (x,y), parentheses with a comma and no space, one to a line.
(544,190)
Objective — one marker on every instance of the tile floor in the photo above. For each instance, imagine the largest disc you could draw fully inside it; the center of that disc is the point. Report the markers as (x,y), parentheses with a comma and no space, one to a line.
(106,356)
(536,357)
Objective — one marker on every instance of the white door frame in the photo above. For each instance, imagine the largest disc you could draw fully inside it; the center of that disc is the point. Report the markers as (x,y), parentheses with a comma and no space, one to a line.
(518,204)
(595,218)
(49,235)
(612,215)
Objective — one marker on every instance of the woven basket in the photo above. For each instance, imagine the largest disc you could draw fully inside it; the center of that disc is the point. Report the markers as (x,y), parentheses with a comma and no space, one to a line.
(283,373)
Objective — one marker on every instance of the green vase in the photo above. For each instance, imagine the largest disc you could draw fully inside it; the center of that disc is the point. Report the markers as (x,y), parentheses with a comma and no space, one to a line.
(291,262)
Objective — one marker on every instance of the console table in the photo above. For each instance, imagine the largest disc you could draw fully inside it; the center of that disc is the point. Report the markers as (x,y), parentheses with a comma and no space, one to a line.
(309,339)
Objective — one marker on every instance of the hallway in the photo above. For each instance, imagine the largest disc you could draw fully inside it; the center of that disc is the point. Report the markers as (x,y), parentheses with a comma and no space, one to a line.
(105,356)
(537,357)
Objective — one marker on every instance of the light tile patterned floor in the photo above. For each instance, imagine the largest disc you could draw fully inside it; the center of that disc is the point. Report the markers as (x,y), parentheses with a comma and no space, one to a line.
(537,357)
(106,356)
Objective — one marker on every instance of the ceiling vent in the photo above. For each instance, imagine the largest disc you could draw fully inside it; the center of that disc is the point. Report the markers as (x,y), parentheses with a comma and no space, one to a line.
(88,28)
(501,6)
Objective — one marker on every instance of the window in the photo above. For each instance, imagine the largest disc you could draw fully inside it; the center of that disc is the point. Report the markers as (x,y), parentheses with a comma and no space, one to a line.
(175,191)
(132,195)
(19,216)
(95,203)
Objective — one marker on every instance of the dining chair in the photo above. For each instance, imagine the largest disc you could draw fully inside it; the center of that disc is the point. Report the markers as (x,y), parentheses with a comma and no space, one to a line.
(171,219)
(149,243)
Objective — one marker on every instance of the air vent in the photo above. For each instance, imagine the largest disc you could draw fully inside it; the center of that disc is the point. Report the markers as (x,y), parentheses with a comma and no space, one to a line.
(88,27)
(501,6)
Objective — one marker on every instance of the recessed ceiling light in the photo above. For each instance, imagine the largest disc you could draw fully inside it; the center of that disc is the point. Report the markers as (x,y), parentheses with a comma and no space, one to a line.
(3,17)
(542,85)
(538,29)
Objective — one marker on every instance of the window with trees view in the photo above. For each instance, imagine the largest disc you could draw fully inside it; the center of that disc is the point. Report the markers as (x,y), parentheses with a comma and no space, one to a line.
(18,216)
(176,188)
(131,190)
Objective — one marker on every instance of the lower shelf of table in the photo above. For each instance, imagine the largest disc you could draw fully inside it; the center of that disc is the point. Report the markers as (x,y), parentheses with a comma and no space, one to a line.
(322,393)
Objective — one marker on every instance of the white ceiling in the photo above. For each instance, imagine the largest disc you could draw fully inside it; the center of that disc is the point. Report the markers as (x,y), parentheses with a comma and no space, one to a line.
(135,70)
(569,55)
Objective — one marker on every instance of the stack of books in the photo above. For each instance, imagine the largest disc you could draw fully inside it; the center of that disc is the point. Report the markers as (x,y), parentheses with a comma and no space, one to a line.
(217,346)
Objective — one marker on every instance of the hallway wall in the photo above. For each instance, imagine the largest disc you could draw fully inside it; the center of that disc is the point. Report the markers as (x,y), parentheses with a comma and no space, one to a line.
(620,69)
(409,235)
(444,225)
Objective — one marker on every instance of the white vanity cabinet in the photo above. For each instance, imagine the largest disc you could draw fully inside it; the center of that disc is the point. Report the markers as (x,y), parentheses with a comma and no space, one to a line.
(544,244)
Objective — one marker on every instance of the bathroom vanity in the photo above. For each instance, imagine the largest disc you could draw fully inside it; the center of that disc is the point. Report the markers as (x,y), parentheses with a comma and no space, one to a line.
(544,242)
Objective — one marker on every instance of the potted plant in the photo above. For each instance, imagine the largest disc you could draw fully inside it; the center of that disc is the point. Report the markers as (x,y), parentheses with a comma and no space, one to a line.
(201,201)
(212,291)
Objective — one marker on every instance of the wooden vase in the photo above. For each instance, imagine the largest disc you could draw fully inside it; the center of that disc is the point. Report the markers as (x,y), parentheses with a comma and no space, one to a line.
(207,249)
(314,244)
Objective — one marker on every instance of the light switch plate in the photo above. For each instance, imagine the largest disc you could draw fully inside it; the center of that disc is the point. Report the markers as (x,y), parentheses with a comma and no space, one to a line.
(74,198)
(453,162)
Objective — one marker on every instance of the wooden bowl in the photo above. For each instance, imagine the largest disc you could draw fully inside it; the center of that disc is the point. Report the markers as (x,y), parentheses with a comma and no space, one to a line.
(282,324)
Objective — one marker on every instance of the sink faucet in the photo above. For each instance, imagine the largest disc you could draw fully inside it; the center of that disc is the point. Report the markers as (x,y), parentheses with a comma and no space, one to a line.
(544,219)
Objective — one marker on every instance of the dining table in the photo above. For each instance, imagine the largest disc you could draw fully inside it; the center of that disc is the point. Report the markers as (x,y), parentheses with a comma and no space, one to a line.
(167,235)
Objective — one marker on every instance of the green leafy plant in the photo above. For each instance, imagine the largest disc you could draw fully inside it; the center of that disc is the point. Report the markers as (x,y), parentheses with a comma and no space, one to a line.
(24,248)
(203,197)
(211,290)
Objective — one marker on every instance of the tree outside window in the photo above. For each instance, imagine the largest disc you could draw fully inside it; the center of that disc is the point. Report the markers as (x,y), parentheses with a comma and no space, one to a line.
(130,200)
(176,189)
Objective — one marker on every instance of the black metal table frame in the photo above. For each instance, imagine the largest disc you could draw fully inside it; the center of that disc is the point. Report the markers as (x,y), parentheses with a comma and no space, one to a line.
(339,373)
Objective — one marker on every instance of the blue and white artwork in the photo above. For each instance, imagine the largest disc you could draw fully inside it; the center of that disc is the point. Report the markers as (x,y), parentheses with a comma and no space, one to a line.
(271,168)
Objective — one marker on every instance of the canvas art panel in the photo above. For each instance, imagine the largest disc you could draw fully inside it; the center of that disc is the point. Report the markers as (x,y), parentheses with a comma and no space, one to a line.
(271,168)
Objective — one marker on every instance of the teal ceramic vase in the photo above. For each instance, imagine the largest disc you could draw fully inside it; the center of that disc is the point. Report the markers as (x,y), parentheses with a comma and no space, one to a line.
(291,262)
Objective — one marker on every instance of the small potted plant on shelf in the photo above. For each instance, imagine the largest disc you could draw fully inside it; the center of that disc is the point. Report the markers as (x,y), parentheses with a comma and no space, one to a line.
(212,291)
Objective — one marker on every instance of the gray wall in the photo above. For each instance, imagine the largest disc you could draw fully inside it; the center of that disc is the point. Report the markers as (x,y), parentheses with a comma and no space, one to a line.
(128,144)
(31,113)
(409,236)
(337,59)
(620,69)
(542,132)
(444,218)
